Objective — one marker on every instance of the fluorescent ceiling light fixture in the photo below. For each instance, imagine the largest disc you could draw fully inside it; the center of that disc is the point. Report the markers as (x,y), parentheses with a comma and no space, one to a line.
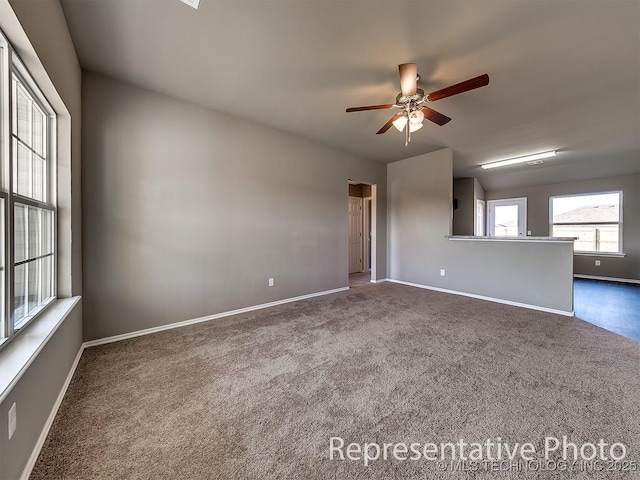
(192,3)
(514,161)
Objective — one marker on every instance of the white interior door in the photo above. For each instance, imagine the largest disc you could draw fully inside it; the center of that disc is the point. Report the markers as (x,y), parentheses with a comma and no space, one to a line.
(355,234)
(507,218)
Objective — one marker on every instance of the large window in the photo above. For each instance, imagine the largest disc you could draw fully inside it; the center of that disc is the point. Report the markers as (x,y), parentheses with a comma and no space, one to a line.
(595,219)
(27,208)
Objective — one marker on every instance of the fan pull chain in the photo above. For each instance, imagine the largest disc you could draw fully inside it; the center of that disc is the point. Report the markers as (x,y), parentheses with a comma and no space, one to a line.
(407,135)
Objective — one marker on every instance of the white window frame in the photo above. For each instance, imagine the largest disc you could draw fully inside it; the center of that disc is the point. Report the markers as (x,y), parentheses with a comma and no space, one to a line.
(593,253)
(10,64)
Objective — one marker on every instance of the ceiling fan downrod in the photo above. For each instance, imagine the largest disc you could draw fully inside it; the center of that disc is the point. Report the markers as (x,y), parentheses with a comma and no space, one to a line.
(407,135)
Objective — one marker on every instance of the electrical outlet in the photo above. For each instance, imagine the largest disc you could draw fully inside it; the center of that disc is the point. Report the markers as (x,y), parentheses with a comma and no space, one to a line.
(271,282)
(13,420)
(597,263)
(528,232)
(442,272)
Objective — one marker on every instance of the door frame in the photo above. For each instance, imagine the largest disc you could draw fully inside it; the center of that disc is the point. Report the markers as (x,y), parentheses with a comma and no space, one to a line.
(374,227)
(479,224)
(366,234)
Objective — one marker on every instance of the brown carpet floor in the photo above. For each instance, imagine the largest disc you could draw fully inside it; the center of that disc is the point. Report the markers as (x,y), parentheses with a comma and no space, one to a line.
(258,395)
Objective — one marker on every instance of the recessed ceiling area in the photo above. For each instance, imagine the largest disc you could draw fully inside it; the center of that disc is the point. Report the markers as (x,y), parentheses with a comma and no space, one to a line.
(565,75)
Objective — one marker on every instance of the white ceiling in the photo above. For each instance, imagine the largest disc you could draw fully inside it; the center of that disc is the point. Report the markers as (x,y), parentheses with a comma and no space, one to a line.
(564,74)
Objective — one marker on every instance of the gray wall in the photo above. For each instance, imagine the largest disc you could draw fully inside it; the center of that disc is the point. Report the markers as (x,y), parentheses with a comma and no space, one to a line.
(419,201)
(464,214)
(627,267)
(43,40)
(478,191)
(466,191)
(419,204)
(188,212)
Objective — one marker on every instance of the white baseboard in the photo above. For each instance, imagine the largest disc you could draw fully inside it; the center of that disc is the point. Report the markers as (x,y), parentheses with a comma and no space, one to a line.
(489,299)
(147,331)
(33,458)
(380,280)
(607,279)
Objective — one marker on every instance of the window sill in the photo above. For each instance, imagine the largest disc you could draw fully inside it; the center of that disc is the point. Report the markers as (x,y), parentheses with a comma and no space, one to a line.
(600,254)
(16,357)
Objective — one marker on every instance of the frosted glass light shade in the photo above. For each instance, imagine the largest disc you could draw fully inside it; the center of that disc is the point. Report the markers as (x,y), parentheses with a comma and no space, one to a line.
(400,123)
(416,117)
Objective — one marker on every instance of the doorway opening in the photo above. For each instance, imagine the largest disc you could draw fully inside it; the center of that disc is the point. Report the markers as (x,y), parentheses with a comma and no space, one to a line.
(361,231)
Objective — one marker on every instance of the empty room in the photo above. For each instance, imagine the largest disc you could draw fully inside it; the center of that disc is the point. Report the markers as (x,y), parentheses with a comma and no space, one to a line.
(319,239)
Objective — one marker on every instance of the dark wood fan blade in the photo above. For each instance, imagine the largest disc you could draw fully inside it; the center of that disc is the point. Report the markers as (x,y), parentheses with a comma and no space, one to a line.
(408,78)
(370,107)
(436,117)
(461,87)
(387,125)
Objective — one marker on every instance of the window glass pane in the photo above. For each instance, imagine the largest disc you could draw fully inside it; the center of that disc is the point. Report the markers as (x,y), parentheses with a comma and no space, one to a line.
(23,112)
(19,290)
(20,233)
(39,137)
(33,229)
(506,221)
(46,285)
(33,280)
(587,208)
(34,285)
(21,169)
(591,238)
(30,145)
(47,232)
(39,191)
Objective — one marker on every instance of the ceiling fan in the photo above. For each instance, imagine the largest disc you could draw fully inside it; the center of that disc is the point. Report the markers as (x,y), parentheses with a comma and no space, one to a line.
(412,101)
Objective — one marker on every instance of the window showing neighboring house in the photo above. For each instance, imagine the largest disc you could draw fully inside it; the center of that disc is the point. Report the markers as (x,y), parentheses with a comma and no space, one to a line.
(594,218)
(27,202)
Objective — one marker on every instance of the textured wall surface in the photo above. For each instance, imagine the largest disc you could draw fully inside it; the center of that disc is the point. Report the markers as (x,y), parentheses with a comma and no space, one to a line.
(188,212)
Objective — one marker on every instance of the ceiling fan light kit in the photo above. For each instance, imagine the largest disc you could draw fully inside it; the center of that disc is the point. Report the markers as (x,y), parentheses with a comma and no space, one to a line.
(412,101)
(533,159)
(401,122)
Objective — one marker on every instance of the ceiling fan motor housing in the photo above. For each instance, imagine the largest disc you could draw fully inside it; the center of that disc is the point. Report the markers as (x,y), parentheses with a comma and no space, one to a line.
(402,100)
